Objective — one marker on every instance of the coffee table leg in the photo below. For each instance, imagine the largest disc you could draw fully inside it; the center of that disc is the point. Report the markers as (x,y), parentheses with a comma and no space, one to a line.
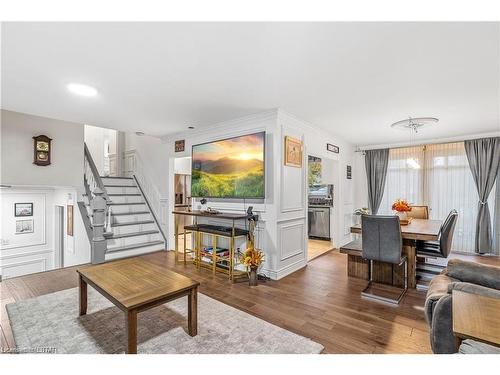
(131,323)
(82,295)
(193,312)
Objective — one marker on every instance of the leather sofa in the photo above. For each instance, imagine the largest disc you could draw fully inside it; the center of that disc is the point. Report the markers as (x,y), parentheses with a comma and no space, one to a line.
(458,275)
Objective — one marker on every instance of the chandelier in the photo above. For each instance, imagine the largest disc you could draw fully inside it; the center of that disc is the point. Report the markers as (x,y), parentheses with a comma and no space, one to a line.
(414,125)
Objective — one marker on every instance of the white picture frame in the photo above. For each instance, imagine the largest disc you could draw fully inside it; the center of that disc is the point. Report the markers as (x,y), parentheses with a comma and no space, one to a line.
(24,226)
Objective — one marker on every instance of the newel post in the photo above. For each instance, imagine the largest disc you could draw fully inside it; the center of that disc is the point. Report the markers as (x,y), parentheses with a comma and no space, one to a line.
(98,207)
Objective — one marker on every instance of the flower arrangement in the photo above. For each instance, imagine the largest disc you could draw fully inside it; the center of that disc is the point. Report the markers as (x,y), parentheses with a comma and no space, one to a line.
(251,257)
(401,205)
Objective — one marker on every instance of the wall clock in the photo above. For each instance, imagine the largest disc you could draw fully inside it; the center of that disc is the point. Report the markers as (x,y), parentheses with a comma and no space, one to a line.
(42,150)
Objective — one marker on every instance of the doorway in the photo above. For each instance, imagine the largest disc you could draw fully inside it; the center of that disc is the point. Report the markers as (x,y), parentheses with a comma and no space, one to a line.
(319,207)
(59,237)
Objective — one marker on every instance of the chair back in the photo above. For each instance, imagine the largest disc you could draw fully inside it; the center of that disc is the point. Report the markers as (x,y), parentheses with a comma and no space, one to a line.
(446,233)
(381,237)
(419,212)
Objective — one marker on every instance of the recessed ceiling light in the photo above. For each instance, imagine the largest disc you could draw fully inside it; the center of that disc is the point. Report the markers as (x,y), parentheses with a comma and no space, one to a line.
(140,134)
(83,90)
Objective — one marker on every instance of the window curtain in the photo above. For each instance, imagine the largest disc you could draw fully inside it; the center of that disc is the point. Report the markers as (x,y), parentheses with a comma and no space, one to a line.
(376,170)
(496,221)
(443,182)
(484,160)
(403,180)
(448,185)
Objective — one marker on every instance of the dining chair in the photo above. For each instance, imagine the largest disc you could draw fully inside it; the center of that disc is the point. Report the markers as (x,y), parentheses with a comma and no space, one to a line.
(382,242)
(419,212)
(442,247)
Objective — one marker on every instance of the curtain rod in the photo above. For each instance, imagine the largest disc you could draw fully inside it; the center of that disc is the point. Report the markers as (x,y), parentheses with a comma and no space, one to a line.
(429,142)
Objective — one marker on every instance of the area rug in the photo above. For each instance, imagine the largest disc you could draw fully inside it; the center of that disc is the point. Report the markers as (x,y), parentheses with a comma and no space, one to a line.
(52,321)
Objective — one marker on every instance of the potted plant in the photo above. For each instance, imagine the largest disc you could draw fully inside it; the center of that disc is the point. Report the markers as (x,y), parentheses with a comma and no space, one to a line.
(252,258)
(401,207)
(359,212)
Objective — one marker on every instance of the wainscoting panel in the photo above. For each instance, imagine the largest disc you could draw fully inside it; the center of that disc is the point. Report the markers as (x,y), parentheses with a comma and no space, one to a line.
(291,239)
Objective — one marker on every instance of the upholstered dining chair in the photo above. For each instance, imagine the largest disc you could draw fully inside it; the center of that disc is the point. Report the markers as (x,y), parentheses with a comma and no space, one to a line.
(419,212)
(442,247)
(382,242)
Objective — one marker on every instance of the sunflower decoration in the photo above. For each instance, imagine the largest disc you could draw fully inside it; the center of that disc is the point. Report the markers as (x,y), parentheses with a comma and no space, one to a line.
(252,257)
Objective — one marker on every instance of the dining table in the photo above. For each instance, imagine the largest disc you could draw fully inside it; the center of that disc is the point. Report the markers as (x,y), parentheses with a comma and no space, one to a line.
(386,273)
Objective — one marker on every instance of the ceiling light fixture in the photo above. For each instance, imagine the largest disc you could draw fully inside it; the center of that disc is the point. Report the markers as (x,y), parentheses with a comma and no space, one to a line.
(81,89)
(413,125)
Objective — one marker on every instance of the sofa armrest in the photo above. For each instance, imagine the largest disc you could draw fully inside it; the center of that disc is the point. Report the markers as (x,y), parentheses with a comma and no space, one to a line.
(438,287)
(474,273)
(474,289)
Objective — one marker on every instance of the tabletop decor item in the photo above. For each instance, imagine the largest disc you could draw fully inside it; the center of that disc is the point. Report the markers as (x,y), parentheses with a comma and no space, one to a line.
(42,150)
(360,211)
(401,208)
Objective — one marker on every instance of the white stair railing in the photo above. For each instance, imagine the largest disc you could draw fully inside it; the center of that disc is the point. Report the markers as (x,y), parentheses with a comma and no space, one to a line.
(98,207)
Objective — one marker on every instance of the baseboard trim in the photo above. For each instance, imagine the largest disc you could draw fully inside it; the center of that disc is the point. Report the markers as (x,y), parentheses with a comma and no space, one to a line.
(285,271)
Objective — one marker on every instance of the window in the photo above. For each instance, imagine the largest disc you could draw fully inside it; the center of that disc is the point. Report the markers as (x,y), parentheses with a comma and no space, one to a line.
(443,182)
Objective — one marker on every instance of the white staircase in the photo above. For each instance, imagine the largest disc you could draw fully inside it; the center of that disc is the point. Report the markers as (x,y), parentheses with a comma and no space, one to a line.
(133,229)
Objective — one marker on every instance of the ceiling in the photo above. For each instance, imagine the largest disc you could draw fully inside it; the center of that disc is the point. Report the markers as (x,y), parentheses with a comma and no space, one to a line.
(352,79)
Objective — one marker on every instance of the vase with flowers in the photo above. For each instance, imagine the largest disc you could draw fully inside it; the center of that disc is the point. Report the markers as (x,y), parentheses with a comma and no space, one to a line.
(252,258)
(401,207)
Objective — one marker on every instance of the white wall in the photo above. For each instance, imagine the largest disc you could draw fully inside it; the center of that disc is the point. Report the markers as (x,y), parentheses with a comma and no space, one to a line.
(282,229)
(154,154)
(95,138)
(17,130)
(45,186)
(22,254)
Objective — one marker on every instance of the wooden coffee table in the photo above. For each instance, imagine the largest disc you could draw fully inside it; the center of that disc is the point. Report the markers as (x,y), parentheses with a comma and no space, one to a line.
(135,285)
(476,317)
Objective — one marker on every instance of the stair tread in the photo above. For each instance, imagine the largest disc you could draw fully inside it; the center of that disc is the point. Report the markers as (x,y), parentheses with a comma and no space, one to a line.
(126,203)
(107,185)
(133,234)
(129,213)
(117,177)
(134,246)
(124,195)
(132,223)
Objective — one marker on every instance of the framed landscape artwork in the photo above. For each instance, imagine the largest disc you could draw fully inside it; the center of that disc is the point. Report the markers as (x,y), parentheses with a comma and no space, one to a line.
(24,226)
(23,209)
(293,152)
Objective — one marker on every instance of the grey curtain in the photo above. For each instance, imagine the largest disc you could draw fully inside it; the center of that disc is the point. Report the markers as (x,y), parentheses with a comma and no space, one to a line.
(496,220)
(484,160)
(376,162)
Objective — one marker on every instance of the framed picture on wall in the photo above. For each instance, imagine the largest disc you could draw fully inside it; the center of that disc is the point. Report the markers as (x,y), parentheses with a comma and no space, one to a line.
(332,148)
(23,209)
(293,152)
(349,172)
(69,217)
(24,226)
(180,145)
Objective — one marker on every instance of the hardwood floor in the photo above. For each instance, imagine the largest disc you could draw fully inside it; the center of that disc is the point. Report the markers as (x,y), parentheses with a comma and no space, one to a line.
(318,301)
(315,248)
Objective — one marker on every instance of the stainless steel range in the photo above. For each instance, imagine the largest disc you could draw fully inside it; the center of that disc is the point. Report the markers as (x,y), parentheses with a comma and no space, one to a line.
(320,203)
